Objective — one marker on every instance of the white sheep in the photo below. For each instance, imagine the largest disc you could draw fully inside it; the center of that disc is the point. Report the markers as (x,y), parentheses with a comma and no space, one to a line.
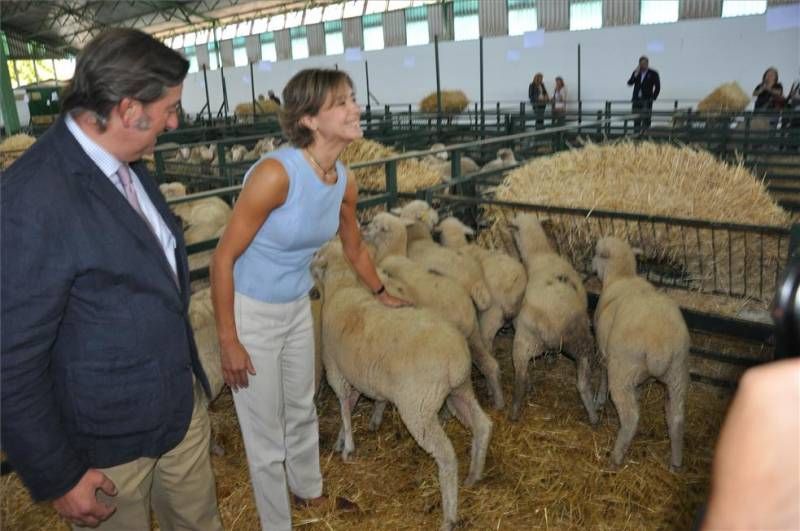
(505,158)
(172,189)
(554,312)
(505,277)
(640,334)
(201,317)
(427,289)
(408,356)
(237,153)
(421,248)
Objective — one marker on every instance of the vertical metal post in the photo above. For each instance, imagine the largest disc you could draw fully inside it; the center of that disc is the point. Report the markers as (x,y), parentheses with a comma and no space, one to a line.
(483,116)
(369,108)
(253,91)
(608,119)
(221,72)
(391,183)
(8,104)
(208,100)
(579,81)
(438,84)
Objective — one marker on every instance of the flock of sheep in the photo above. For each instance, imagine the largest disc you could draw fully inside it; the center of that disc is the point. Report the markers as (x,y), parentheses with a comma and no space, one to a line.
(419,358)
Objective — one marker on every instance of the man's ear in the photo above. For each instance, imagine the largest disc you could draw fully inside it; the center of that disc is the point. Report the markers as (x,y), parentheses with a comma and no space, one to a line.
(128,110)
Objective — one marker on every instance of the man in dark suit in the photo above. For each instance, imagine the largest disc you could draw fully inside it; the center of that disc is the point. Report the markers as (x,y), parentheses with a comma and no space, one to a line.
(646,86)
(102,389)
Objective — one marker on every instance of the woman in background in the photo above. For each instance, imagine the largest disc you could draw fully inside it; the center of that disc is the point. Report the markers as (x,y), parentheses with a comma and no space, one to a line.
(537,94)
(559,101)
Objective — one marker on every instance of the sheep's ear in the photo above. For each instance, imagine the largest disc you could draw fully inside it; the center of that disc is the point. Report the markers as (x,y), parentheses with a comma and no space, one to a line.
(396,211)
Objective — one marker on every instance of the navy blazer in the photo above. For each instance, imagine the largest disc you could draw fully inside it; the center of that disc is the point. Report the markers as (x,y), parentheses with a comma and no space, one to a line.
(651,86)
(97,353)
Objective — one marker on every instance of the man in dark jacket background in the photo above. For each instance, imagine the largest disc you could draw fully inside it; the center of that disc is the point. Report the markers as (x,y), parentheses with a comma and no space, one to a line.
(646,86)
(102,390)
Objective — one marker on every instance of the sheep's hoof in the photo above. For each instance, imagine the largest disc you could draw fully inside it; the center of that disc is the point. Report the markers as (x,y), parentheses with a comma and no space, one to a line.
(470,481)
(593,419)
(614,464)
(514,415)
(675,468)
(349,457)
(374,425)
(217,450)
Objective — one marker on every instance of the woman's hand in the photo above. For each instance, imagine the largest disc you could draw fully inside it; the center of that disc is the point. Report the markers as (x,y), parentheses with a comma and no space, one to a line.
(391,301)
(236,364)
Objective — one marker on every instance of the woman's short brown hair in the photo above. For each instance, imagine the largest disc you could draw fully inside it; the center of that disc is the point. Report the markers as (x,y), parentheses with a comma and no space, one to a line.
(304,95)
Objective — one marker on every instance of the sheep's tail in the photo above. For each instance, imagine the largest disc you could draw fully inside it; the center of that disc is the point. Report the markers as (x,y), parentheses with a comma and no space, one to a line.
(480,294)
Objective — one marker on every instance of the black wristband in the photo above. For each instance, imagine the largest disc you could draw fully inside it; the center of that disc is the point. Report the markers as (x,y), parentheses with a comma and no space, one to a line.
(379,290)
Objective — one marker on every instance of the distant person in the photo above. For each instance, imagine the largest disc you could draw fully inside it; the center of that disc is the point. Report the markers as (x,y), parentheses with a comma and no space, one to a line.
(769,93)
(559,101)
(273,97)
(646,87)
(537,94)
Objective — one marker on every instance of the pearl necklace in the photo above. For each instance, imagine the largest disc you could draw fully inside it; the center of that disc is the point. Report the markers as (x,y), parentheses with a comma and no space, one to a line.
(319,166)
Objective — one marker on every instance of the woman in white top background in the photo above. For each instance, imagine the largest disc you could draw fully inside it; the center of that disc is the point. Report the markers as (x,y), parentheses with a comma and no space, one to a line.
(559,101)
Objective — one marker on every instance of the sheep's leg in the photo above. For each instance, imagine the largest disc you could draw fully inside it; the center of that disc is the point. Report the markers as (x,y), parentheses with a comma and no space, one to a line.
(625,400)
(490,322)
(601,395)
(466,408)
(431,437)
(580,345)
(377,415)
(347,446)
(676,399)
(488,367)
(526,345)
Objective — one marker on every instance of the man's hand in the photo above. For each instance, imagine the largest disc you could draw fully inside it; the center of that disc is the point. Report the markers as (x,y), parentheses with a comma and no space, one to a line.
(80,505)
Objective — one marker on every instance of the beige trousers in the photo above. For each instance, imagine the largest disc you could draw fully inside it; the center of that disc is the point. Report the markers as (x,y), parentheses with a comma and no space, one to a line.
(276,410)
(179,485)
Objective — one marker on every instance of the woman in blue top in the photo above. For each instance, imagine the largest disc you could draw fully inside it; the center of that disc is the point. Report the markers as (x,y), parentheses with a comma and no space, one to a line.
(293,201)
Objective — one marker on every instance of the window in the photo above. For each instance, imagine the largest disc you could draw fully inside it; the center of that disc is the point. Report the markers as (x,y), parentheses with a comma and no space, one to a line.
(275,23)
(738,8)
(259,26)
(334,39)
(268,51)
(333,12)
(177,42)
(65,68)
(417,26)
(240,52)
(394,5)
(353,8)
(465,20)
(201,37)
(299,42)
(313,15)
(12,73)
(213,60)
(375,6)
(658,11)
(26,72)
(44,69)
(228,32)
(243,29)
(521,16)
(168,42)
(189,39)
(191,55)
(373,31)
(585,14)
(293,19)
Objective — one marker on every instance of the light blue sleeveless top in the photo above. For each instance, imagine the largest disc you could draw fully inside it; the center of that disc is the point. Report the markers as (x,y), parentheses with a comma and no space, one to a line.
(275,266)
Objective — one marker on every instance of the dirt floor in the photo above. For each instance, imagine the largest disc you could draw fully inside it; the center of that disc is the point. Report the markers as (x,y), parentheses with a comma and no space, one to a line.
(550,470)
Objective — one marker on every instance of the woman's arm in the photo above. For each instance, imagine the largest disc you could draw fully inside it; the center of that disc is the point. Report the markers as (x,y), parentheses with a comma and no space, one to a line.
(265,190)
(356,251)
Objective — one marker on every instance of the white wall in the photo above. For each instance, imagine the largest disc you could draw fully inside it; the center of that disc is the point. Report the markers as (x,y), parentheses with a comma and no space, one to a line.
(692,57)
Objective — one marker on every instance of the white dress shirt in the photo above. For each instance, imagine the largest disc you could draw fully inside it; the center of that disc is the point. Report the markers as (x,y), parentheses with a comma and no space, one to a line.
(109,164)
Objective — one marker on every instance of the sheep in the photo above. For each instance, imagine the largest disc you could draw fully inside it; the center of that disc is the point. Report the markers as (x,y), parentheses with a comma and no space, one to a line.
(554,313)
(640,334)
(421,248)
(505,277)
(427,289)
(201,317)
(237,153)
(505,158)
(408,356)
(172,189)
(439,162)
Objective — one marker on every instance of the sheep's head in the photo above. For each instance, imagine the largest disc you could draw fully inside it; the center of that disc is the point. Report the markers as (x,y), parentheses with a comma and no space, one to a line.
(529,235)
(419,210)
(506,155)
(442,154)
(387,233)
(453,233)
(185,152)
(613,256)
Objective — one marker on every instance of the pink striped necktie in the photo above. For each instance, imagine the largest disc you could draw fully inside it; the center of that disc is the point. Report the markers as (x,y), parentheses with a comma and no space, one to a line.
(130,191)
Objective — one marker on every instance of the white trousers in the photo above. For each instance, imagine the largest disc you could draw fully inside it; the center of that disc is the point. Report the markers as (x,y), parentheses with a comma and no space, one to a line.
(276,410)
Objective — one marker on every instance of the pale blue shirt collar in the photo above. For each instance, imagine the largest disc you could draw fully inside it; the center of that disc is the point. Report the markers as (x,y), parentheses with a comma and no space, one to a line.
(107,162)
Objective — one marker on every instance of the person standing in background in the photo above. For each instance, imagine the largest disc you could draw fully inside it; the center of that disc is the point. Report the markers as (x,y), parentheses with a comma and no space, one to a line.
(646,87)
(769,93)
(537,94)
(273,97)
(559,101)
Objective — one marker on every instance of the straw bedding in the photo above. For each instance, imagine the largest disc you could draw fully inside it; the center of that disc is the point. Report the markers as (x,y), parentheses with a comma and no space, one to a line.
(654,179)
(548,471)
(453,102)
(13,147)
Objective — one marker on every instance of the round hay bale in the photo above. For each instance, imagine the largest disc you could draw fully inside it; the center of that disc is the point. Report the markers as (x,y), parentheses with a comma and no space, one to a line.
(13,147)
(263,106)
(411,174)
(453,102)
(728,97)
(660,180)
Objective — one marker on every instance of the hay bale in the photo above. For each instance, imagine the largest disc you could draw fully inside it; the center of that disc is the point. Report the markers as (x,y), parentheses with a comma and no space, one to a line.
(453,102)
(661,180)
(13,147)
(411,174)
(728,97)
(263,106)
